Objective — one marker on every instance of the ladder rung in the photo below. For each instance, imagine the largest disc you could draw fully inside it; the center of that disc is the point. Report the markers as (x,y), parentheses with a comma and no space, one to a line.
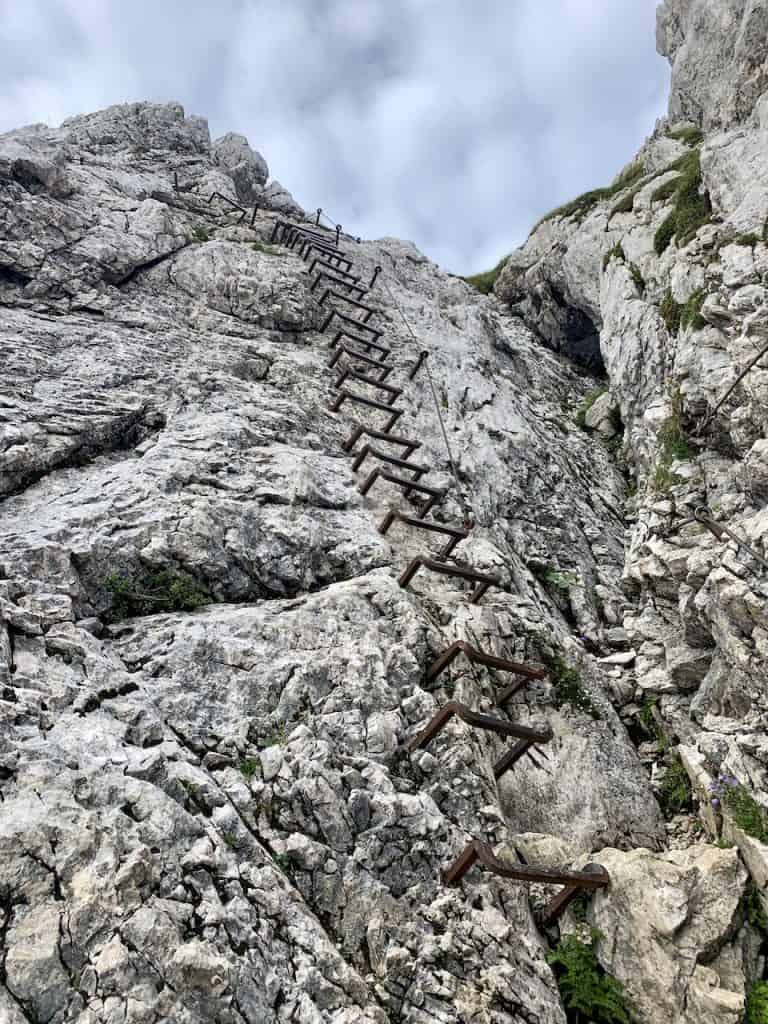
(362,358)
(489,660)
(407,443)
(367,450)
(349,373)
(360,325)
(478,721)
(337,340)
(337,281)
(449,569)
(434,494)
(455,533)
(329,266)
(353,396)
(369,310)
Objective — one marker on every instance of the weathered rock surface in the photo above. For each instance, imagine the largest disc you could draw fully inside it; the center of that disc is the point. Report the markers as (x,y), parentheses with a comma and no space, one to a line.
(210,815)
(666,942)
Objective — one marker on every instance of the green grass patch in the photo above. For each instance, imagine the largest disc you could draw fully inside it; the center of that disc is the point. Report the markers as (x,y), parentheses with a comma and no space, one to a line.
(750,239)
(665,191)
(485,282)
(638,278)
(586,405)
(150,593)
(675,794)
(249,766)
(674,443)
(690,313)
(692,208)
(670,312)
(562,581)
(690,136)
(746,812)
(757,1004)
(269,250)
(587,991)
(617,253)
(199,234)
(584,204)
(753,908)
(568,687)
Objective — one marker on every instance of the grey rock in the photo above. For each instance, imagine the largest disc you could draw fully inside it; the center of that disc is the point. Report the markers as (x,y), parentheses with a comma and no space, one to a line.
(247,168)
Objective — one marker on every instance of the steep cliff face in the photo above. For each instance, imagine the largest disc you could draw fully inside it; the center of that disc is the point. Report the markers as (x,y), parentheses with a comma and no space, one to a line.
(209,813)
(671,265)
(209,671)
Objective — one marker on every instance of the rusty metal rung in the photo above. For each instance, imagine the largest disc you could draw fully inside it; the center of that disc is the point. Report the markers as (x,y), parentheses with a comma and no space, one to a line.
(354,278)
(407,443)
(393,460)
(369,345)
(594,876)
(481,658)
(337,281)
(456,534)
(330,254)
(434,494)
(477,720)
(361,357)
(353,396)
(348,373)
(369,310)
(448,569)
(360,325)
(417,365)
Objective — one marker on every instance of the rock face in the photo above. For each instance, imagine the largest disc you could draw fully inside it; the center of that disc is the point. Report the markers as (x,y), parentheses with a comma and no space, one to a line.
(209,812)
(717,52)
(210,674)
(672,263)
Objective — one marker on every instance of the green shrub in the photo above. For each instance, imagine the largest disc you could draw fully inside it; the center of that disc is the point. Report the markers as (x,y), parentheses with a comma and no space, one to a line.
(485,282)
(745,811)
(675,794)
(150,593)
(269,250)
(750,239)
(562,581)
(690,136)
(753,908)
(625,204)
(584,204)
(757,1004)
(663,479)
(249,766)
(617,252)
(637,277)
(665,233)
(199,234)
(670,312)
(587,991)
(692,209)
(690,314)
(568,686)
(665,191)
(586,405)
(674,443)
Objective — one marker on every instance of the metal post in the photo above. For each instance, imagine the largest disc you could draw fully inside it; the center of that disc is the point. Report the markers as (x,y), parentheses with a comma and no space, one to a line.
(319,215)
(376,272)
(338,232)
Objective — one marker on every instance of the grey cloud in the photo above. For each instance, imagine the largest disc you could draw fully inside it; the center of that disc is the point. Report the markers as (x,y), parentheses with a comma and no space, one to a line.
(456,125)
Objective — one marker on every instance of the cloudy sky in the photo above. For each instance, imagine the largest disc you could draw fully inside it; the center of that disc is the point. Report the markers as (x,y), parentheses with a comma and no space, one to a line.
(454,123)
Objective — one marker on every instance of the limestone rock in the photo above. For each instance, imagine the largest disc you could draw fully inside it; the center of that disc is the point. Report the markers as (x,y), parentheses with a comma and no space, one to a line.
(656,938)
